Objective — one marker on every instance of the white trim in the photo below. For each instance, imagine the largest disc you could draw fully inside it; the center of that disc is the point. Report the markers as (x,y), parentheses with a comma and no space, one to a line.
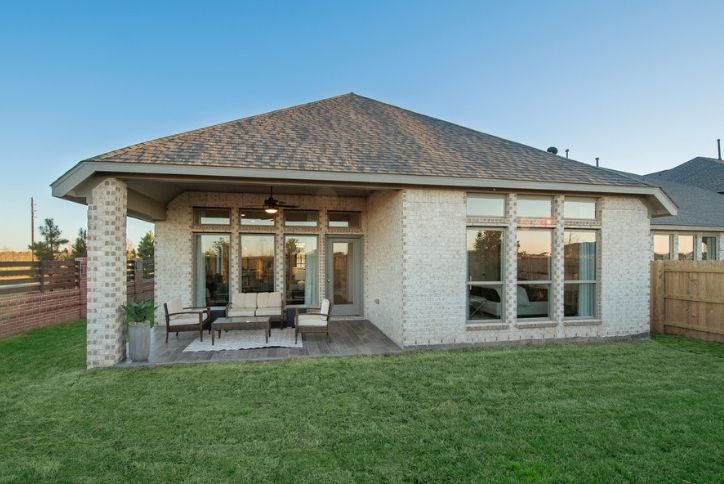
(64,186)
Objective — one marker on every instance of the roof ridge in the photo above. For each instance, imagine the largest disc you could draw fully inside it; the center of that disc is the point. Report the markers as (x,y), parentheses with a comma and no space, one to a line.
(217,125)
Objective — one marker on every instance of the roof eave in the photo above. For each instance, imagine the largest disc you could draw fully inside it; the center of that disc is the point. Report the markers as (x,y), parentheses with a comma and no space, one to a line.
(65,186)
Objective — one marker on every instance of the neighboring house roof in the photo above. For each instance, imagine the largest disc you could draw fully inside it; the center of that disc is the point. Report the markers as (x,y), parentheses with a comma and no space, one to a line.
(707,173)
(352,133)
(697,207)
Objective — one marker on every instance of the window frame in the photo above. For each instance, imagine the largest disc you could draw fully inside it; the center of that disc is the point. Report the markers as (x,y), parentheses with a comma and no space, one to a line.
(542,282)
(469,283)
(273,216)
(579,199)
(715,252)
(295,226)
(197,220)
(502,196)
(678,246)
(348,227)
(286,265)
(594,282)
(241,258)
(195,246)
(670,243)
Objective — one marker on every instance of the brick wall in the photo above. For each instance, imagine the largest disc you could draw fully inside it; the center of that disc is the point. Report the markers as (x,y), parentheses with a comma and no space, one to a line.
(22,312)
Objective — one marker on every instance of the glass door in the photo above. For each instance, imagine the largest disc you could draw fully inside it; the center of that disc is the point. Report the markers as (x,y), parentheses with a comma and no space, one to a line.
(344,275)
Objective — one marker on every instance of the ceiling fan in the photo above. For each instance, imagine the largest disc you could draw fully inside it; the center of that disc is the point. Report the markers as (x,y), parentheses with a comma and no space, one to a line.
(272,205)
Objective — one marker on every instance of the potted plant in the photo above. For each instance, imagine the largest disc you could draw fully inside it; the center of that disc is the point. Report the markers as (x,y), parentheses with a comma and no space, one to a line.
(140,321)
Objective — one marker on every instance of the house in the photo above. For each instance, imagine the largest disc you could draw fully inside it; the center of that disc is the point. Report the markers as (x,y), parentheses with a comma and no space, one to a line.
(436,233)
(697,231)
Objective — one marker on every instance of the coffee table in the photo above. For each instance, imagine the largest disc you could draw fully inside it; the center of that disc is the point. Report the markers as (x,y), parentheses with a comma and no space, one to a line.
(242,322)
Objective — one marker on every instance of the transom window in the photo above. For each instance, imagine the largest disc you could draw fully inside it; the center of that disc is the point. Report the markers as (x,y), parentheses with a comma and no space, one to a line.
(485,205)
(530,206)
(534,272)
(344,219)
(579,208)
(212,216)
(256,217)
(580,273)
(485,273)
(301,218)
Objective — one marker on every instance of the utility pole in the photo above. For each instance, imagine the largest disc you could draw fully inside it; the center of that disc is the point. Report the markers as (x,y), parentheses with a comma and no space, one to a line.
(32,229)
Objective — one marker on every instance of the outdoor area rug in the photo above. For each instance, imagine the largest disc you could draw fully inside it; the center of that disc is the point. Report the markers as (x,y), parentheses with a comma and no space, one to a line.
(246,339)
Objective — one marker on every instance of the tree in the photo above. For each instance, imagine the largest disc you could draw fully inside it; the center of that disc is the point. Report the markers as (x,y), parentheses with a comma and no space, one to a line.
(79,247)
(145,246)
(48,248)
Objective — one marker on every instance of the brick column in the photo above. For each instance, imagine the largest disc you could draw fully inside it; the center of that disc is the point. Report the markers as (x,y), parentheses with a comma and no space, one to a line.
(674,246)
(510,265)
(697,247)
(557,269)
(720,246)
(106,273)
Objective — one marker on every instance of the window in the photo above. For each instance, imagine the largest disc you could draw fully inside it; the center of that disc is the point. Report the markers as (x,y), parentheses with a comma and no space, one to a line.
(302,270)
(708,248)
(250,216)
(579,208)
(534,269)
(485,273)
(344,219)
(211,281)
(686,247)
(257,263)
(662,247)
(301,218)
(479,205)
(212,216)
(579,273)
(534,206)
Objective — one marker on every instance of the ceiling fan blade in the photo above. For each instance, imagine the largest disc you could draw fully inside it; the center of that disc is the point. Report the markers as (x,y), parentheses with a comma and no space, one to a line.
(287,205)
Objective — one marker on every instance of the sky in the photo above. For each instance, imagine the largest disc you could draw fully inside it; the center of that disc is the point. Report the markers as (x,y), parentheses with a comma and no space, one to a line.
(638,84)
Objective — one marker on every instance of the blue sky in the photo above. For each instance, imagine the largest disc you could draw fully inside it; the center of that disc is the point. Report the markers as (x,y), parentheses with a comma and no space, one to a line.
(638,84)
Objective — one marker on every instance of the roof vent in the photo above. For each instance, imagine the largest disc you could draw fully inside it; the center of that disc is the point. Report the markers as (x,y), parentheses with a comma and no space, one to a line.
(552,149)
(718,147)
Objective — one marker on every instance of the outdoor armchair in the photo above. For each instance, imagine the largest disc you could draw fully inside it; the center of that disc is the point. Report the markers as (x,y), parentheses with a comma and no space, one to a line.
(179,319)
(313,322)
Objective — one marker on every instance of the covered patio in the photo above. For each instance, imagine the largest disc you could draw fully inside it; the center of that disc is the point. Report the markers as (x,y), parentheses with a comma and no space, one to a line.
(346,338)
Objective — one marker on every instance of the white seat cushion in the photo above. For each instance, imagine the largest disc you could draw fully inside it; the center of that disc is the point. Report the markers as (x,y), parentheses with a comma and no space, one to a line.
(312,320)
(174,305)
(269,300)
(182,319)
(231,312)
(269,311)
(243,300)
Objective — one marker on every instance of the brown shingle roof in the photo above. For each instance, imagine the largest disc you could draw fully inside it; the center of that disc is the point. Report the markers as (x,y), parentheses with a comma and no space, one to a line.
(351,133)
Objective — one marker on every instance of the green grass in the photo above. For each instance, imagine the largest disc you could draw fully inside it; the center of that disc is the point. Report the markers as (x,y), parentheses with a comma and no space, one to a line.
(612,412)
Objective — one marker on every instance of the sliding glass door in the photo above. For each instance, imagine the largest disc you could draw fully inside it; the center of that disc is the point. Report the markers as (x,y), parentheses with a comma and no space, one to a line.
(211,263)
(301,270)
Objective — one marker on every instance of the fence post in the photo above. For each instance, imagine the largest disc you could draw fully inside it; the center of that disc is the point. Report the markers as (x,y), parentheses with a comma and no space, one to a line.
(658,306)
(82,278)
(137,279)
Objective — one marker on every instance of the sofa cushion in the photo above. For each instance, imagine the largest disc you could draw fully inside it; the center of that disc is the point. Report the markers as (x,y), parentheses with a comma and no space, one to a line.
(243,300)
(174,305)
(312,320)
(269,300)
(183,319)
(269,311)
(234,312)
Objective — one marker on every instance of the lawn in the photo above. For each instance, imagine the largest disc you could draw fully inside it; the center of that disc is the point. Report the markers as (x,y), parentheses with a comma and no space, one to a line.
(650,411)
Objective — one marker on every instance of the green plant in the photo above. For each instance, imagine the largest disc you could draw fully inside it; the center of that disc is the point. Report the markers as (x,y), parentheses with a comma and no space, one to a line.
(139,312)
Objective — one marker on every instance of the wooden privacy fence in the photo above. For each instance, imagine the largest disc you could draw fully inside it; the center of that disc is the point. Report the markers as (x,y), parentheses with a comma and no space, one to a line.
(687,297)
(38,294)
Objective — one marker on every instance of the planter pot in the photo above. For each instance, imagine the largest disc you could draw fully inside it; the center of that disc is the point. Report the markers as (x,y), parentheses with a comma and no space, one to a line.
(139,341)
